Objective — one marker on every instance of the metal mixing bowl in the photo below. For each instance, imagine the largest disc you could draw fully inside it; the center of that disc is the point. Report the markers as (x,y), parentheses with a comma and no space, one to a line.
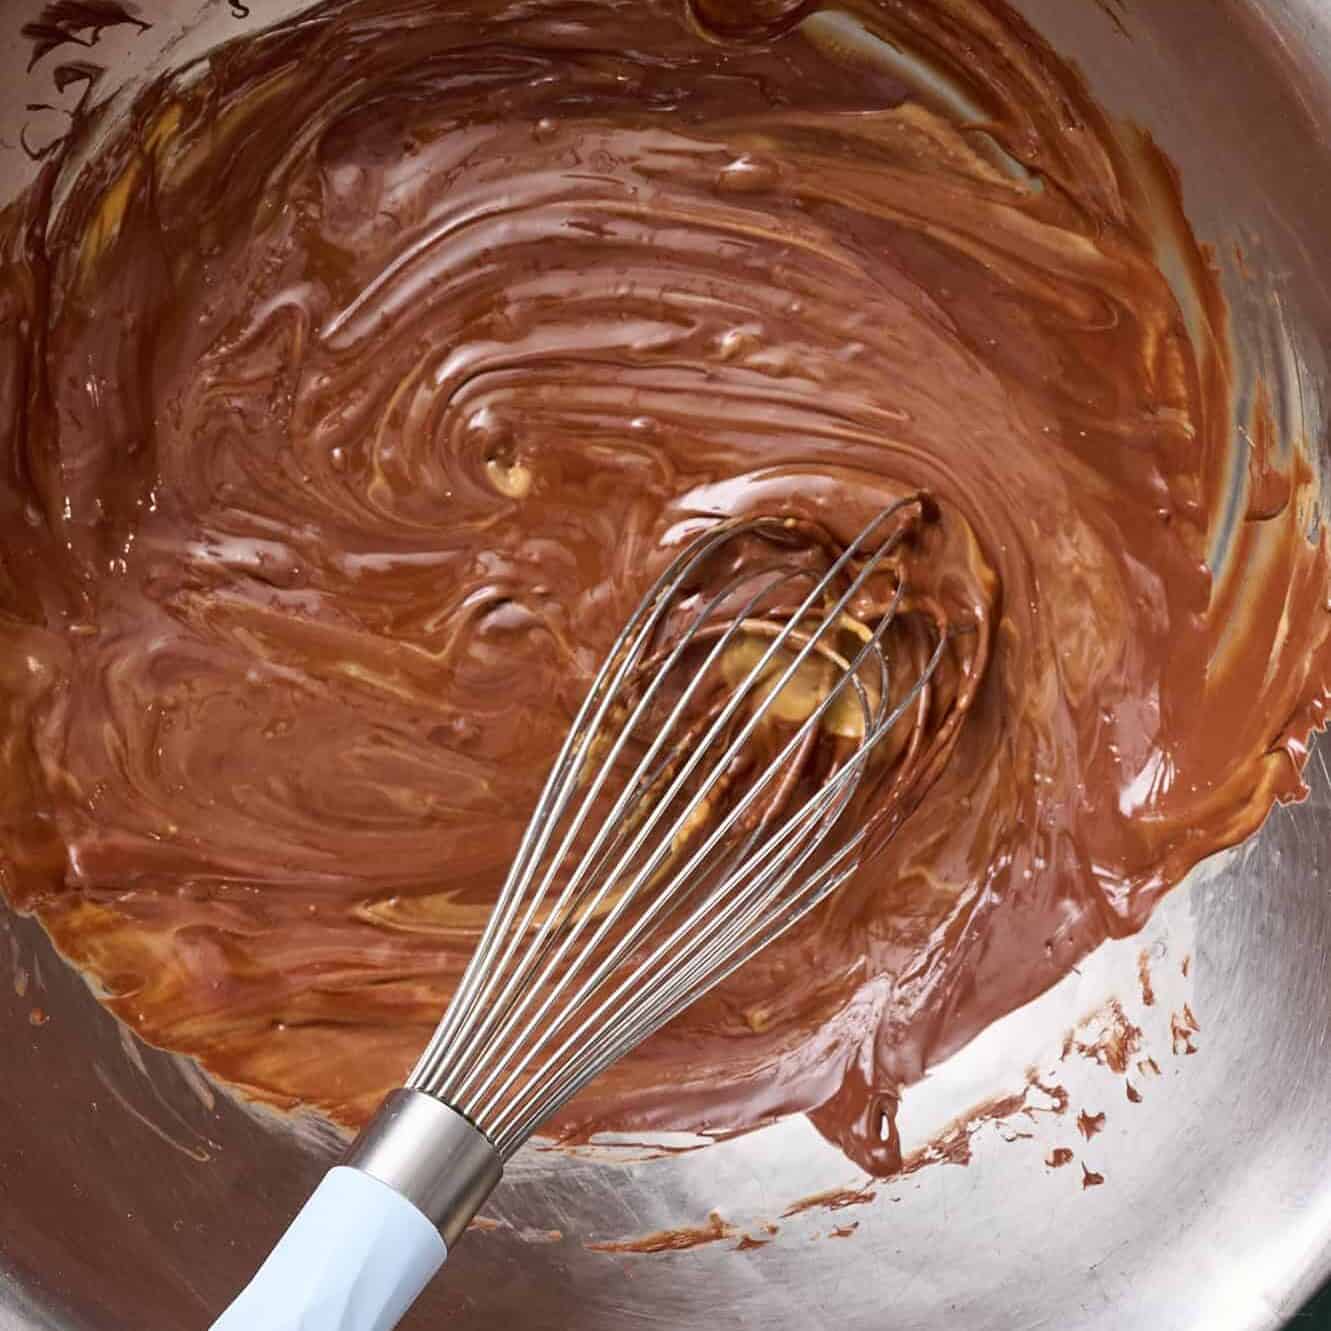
(133,1195)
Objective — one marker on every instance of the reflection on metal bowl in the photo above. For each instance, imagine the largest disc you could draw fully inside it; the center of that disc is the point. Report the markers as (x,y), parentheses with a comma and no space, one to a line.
(1143,1146)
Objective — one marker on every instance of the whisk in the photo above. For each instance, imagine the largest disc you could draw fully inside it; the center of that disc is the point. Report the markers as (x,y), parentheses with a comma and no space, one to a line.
(766,717)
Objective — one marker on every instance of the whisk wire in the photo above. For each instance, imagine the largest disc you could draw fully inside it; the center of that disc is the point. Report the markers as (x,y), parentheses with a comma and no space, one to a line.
(679,885)
(687,874)
(602,846)
(556,990)
(689,962)
(691,967)
(480,976)
(520,985)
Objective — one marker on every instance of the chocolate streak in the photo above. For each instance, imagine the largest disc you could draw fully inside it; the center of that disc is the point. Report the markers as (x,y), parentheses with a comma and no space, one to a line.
(359,385)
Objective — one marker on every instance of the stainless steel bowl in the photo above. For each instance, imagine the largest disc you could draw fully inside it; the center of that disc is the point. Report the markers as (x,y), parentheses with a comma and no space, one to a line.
(131,1194)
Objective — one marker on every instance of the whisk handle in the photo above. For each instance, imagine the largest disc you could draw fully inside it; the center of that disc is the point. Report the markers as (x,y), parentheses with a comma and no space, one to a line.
(377,1227)
(354,1259)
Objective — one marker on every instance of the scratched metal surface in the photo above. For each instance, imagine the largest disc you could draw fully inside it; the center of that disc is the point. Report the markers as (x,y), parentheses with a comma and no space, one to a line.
(132,1195)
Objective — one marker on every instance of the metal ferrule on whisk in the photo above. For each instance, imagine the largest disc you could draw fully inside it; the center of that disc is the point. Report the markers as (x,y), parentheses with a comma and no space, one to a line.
(430,1154)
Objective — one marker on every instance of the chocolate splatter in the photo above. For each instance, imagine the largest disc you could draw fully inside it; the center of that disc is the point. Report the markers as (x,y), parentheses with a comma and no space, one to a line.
(1090,1124)
(81,22)
(1116,1040)
(1182,1027)
(671,1240)
(1144,976)
(834,1199)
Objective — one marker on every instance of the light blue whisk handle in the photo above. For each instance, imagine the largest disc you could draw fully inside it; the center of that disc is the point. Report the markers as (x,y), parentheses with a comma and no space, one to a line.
(354,1259)
(378,1226)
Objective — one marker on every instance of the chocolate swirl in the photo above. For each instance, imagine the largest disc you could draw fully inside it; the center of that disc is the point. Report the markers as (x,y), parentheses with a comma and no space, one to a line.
(367,375)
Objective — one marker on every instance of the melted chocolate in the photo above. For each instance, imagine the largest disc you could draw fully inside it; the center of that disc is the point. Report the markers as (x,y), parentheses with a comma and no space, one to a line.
(356,389)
